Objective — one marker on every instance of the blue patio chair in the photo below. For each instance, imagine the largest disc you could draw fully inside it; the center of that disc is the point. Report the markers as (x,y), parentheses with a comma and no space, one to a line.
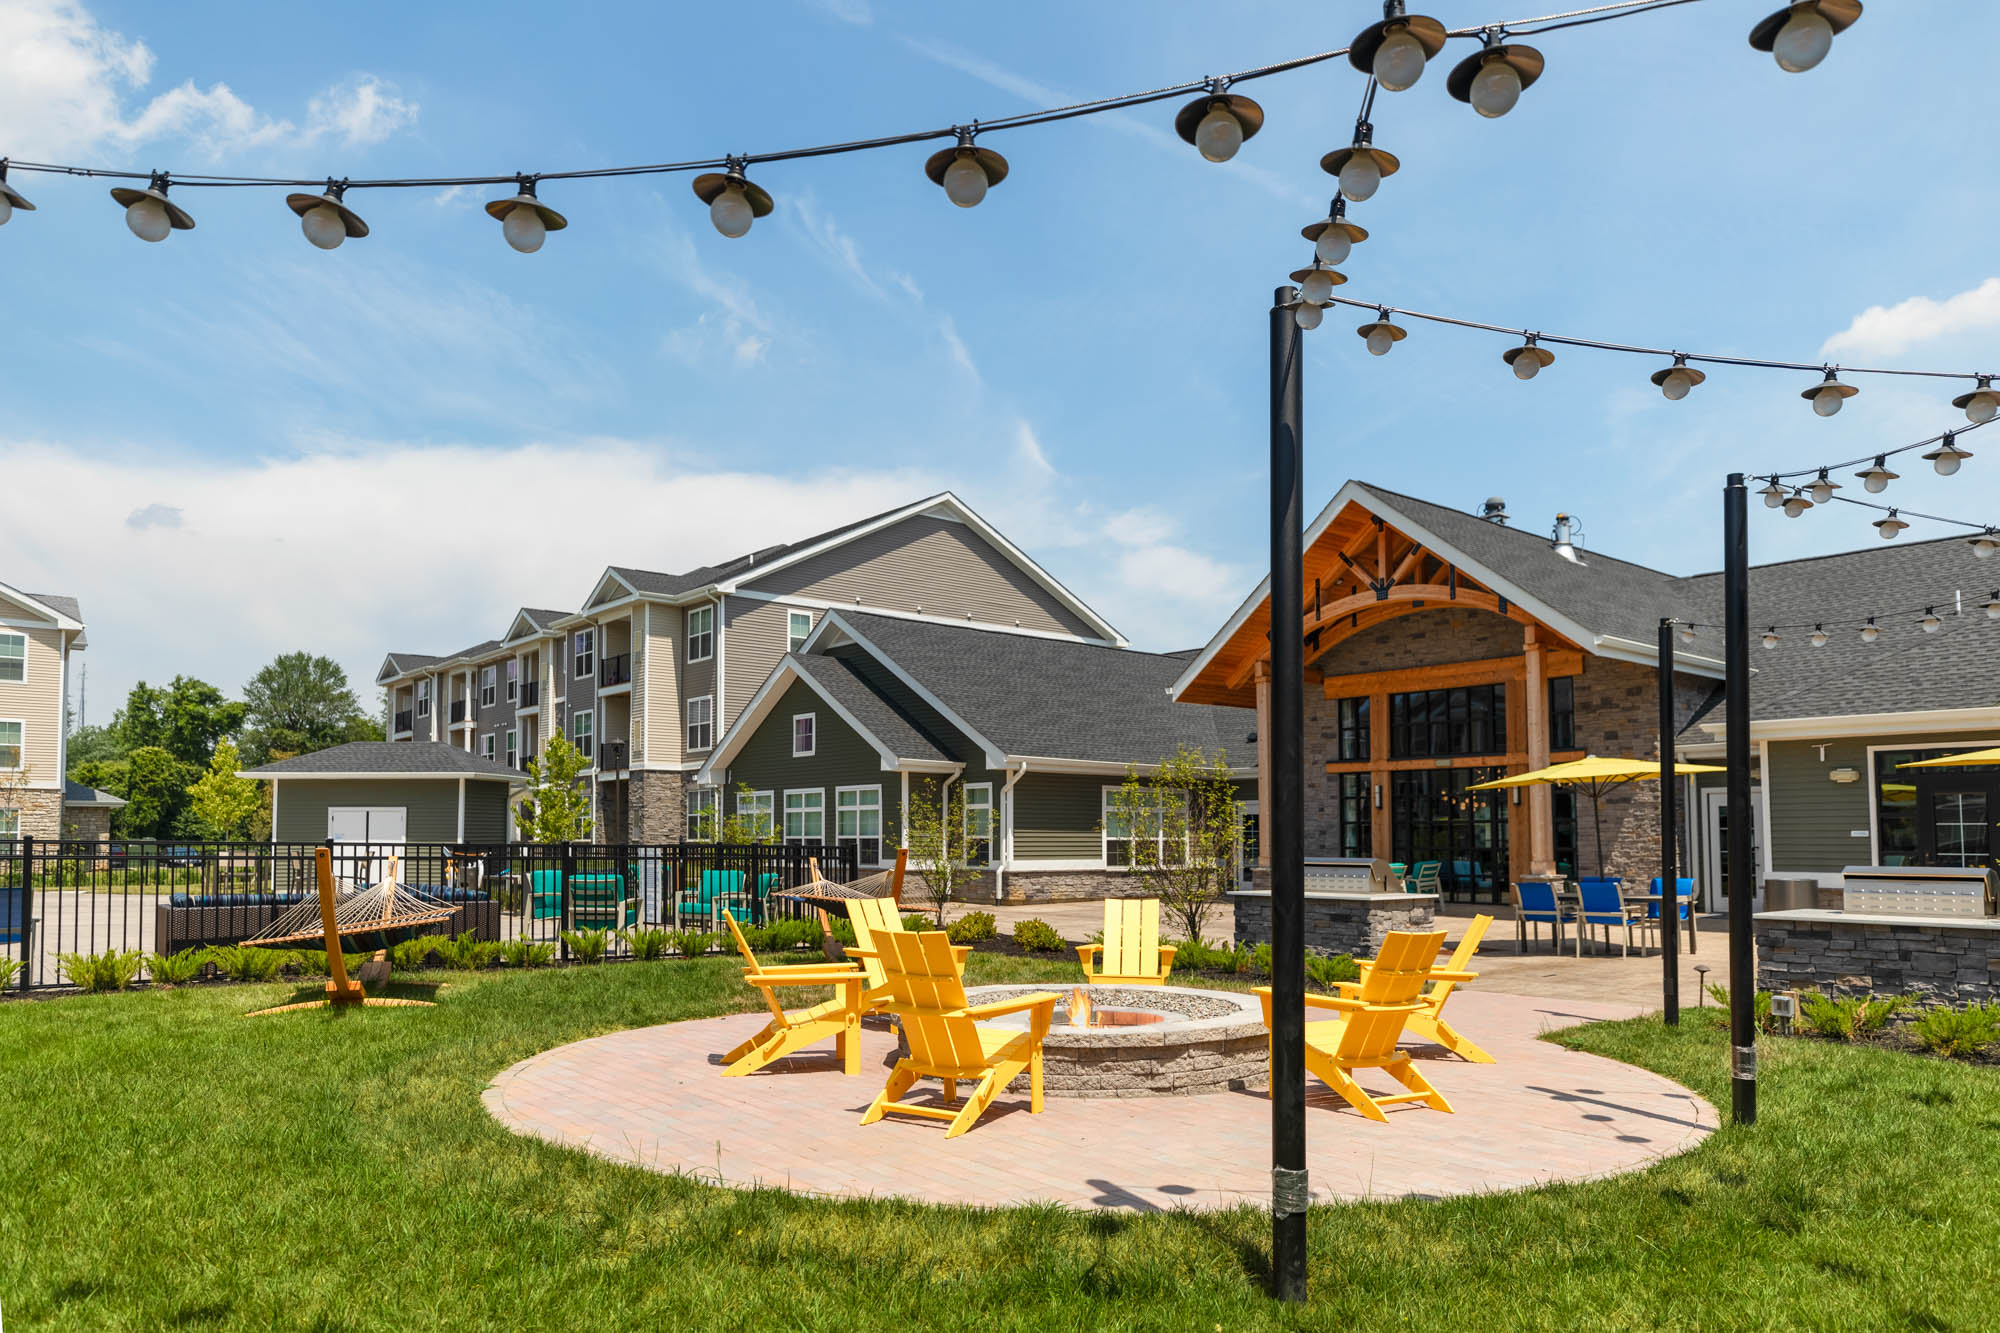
(1684,891)
(1602,906)
(1535,904)
(713,891)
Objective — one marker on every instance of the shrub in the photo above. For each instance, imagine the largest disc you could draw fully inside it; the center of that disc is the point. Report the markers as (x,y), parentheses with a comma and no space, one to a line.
(527,953)
(411,954)
(647,942)
(1260,960)
(697,943)
(1954,1032)
(587,946)
(1037,936)
(1328,971)
(9,969)
(1850,1018)
(242,963)
(314,962)
(173,969)
(464,953)
(1200,956)
(915,921)
(972,927)
(790,935)
(1760,1006)
(843,931)
(93,972)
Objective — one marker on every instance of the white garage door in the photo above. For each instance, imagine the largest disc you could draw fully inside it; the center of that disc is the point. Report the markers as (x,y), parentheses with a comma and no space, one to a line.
(381,828)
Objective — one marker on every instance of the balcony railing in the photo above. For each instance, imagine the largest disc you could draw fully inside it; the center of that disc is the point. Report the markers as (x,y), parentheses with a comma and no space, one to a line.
(611,755)
(457,711)
(615,669)
(403,720)
(531,694)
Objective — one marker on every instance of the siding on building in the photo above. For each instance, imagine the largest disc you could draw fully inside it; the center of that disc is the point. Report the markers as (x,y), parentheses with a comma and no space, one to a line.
(757,635)
(1813,819)
(36,703)
(1059,817)
(431,806)
(841,758)
(697,679)
(664,726)
(939,566)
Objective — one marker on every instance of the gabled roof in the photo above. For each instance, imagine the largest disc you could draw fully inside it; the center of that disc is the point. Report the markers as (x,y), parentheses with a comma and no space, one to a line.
(62,612)
(76,795)
(898,738)
(530,621)
(387,759)
(398,664)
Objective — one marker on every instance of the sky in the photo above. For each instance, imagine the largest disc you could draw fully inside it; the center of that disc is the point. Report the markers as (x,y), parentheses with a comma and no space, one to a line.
(231,444)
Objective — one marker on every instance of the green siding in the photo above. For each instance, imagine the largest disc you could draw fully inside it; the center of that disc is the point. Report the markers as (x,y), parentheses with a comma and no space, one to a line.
(1812,817)
(486,811)
(842,758)
(1058,816)
(432,806)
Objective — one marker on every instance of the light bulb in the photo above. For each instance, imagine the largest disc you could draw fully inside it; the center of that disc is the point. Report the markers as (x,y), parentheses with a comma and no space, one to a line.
(1496,88)
(964,184)
(1984,545)
(1876,479)
(1317,287)
(1823,489)
(148,220)
(1527,366)
(1890,526)
(1333,246)
(1993,608)
(1818,637)
(1981,407)
(1803,42)
(1930,622)
(1360,177)
(1308,316)
(1827,401)
(7,211)
(1687,633)
(1870,631)
(1770,638)
(1219,135)
(1774,496)
(730,212)
(324,226)
(1399,61)
(1946,463)
(1380,341)
(1796,504)
(524,229)
(1676,385)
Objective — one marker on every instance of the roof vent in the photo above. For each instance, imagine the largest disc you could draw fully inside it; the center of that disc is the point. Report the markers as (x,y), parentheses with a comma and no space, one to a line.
(1567,533)
(1494,510)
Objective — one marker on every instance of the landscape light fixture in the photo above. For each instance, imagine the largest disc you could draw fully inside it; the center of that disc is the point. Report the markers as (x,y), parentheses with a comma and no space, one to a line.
(964,170)
(149,213)
(1334,236)
(324,218)
(1877,476)
(1361,165)
(1828,395)
(1381,334)
(1316,282)
(1930,622)
(1492,78)
(1822,488)
(1986,543)
(1677,379)
(1774,495)
(1870,631)
(10,198)
(1218,121)
(733,201)
(1819,636)
(525,221)
(1528,359)
(1396,50)
(1799,35)
(1981,404)
(1889,526)
(1796,503)
(1947,456)
(1771,637)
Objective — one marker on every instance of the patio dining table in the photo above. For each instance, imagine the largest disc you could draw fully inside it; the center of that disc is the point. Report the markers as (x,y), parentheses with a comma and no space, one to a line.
(1569,894)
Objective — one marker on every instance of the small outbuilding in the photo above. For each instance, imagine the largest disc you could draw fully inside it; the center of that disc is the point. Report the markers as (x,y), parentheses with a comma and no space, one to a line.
(390,793)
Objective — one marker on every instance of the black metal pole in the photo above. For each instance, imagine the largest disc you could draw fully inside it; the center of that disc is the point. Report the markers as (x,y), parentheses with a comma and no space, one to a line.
(1736,715)
(1670,898)
(1289,1193)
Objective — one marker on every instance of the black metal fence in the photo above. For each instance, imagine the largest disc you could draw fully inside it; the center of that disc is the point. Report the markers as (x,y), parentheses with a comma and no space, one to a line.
(61,898)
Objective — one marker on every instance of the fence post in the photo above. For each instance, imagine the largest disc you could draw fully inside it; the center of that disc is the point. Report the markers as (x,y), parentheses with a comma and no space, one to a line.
(29,952)
(568,873)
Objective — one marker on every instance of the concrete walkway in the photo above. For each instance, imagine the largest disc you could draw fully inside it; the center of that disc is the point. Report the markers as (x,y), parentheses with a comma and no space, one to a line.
(656,1098)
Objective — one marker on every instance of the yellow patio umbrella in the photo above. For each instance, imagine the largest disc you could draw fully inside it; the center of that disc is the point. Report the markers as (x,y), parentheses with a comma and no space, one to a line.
(1970,759)
(1593,775)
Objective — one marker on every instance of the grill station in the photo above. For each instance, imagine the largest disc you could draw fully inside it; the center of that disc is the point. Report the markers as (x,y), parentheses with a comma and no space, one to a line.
(1929,891)
(1350,874)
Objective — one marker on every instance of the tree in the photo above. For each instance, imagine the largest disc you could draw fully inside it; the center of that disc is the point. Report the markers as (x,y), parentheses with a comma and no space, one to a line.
(557,805)
(939,850)
(742,828)
(1180,830)
(153,784)
(87,744)
(185,719)
(225,807)
(299,703)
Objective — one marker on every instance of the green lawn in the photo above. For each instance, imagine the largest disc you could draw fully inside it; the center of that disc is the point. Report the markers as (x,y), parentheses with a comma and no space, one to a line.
(168,1164)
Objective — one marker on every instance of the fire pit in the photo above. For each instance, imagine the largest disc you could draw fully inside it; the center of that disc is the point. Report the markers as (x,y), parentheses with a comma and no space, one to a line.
(1144,1041)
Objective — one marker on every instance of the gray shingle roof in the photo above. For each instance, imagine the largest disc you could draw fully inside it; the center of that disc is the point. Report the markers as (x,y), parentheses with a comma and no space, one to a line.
(659,584)
(55,601)
(411,661)
(75,793)
(881,719)
(389,759)
(1056,698)
(542,617)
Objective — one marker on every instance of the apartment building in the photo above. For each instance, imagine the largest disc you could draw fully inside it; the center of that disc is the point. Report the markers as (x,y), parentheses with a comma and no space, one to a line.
(38,633)
(651,670)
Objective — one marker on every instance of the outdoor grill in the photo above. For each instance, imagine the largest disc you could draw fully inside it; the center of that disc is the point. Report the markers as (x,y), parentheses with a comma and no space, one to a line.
(1350,874)
(1920,890)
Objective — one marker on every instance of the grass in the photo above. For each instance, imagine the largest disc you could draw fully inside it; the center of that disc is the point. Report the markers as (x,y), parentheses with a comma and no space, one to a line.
(170,1164)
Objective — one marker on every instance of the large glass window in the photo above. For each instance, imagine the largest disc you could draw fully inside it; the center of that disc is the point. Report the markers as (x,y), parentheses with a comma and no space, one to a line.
(583,732)
(13,657)
(1353,715)
(10,825)
(805,817)
(1896,807)
(1562,713)
(703,802)
(701,633)
(423,698)
(1357,823)
(857,822)
(798,628)
(979,823)
(584,648)
(753,811)
(1436,818)
(1932,816)
(1961,827)
(486,677)
(1469,720)
(10,745)
(701,722)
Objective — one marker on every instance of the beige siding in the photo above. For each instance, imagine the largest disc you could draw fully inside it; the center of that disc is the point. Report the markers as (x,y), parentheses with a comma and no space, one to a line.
(697,678)
(933,564)
(36,703)
(758,638)
(663,721)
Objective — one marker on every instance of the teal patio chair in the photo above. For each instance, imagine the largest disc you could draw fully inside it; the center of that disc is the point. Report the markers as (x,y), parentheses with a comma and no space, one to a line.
(1425,877)
(713,892)
(602,900)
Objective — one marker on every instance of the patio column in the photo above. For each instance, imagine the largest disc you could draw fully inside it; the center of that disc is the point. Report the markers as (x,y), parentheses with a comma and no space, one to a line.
(1261,674)
(1541,801)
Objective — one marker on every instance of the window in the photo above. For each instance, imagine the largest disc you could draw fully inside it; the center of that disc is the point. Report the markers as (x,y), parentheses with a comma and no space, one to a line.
(423,698)
(979,823)
(805,816)
(798,627)
(513,749)
(703,803)
(585,643)
(1562,713)
(10,825)
(1357,824)
(1441,723)
(11,742)
(1353,715)
(580,731)
(805,735)
(753,811)
(857,822)
(513,678)
(486,678)
(13,657)
(701,722)
(701,634)
(1435,818)
(1127,827)
(486,745)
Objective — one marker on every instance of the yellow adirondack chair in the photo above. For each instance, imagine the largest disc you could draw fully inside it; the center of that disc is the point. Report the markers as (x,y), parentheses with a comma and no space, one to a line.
(871,919)
(839,1018)
(1131,954)
(947,1040)
(1364,1036)
(1429,1021)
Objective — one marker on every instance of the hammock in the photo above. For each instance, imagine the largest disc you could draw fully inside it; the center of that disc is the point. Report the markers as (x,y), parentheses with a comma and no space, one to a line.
(882,884)
(357,911)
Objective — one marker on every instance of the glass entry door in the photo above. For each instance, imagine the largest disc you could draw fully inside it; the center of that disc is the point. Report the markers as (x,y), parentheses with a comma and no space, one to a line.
(1434,818)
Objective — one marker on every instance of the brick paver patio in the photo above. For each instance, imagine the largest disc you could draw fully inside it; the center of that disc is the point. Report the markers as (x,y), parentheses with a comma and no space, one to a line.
(654,1097)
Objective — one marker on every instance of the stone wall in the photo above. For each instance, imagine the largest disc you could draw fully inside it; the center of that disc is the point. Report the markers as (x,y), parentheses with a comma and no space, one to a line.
(1955,964)
(659,807)
(86,824)
(1618,715)
(41,811)
(1338,925)
(1049,886)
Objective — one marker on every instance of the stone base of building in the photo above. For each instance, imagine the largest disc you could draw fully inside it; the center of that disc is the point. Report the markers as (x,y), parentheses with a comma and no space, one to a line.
(1338,923)
(658,807)
(86,824)
(1935,958)
(1049,886)
(41,813)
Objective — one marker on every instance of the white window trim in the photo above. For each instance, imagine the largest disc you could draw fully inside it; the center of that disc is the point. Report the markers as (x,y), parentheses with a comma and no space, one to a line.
(881,842)
(687,716)
(711,798)
(1104,828)
(423,698)
(812,749)
(1867,784)
(15,836)
(578,716)
(9,634)
(486,746)
(767,806)
(784,811)
(21,767)
(489,693)
(793,639)
(513,750)
(590,671)
(513,679)
(693,633)
(991,809)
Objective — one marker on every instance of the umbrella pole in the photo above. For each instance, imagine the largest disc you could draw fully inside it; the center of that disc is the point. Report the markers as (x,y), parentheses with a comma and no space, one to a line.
(1597,823)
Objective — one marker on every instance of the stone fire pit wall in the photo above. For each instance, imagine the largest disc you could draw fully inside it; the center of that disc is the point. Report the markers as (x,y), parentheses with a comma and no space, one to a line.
(1350,923)
(1951,959)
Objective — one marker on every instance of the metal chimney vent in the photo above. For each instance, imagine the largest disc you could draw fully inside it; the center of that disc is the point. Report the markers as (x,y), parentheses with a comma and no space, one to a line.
(1494,510)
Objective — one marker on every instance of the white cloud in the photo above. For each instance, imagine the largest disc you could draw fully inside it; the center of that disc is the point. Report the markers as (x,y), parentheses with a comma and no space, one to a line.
(1894,329)
(359,111)
(1029,448)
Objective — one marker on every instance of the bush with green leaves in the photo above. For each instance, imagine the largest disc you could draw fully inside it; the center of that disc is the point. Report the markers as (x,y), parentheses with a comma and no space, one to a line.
(647,942)
(528,953)
(842,931)
(241,962)
(176,969)
(1851,1017)
(315,963)
(411,954)
(915,921)
(1959,1032)
(1200,956)
(1327,971)
(465,952)
(790,934)
(114,969)
(972,928)
(587,946)
(697,943)
(1037,936)
(9,969)
(1760,1006)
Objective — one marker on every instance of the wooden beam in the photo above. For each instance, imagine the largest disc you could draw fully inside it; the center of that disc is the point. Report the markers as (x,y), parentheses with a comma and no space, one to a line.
(1515,761)
(1407,592)
(1482,671)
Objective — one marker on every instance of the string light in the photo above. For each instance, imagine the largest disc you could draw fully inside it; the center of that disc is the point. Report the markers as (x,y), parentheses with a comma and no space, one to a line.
(1947,456)
(325,220)
(1930,622)
(1818,639)
(1316,282)
(733,201)
(1307,315)
(1796,503)
(1396,50)
(1218,123)
(525,221)
(1529,359)
(1771,637)
(1799,35)
(1823,488)
(1985,544)
(1876,476)
(1360,166)
(1870,631)
(965,171)
(1981,404)
(1492,80)
(1335,236)
(1687,633)
(1677,379)
(11,198)
(1381,334)
(1889,526)
(1774,495)
(1993,605)
(149,213)
(1828,395)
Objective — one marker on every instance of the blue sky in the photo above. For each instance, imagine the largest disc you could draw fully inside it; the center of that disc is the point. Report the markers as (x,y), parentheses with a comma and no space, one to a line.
(231,444)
